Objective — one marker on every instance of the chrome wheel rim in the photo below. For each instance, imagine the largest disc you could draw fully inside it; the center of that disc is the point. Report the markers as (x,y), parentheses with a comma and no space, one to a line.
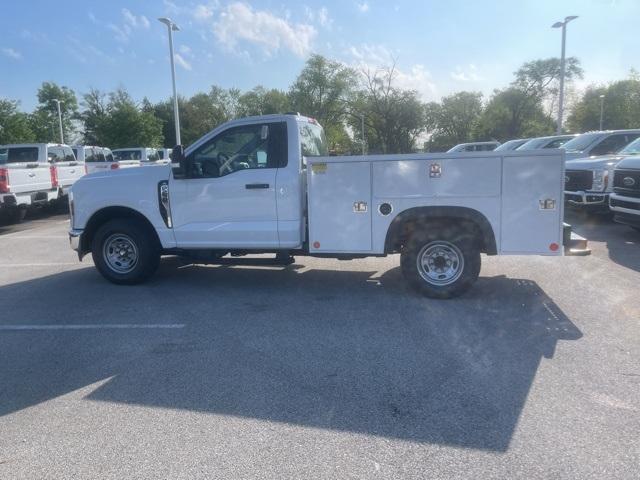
(120,253)
(440,263)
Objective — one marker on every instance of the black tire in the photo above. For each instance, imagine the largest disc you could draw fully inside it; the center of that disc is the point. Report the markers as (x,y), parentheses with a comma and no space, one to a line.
(441,244)
(15,214)
(129,236)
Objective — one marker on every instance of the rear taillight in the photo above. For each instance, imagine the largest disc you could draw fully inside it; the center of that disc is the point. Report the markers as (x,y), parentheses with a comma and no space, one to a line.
(115,166)
(4,180)
(54,176)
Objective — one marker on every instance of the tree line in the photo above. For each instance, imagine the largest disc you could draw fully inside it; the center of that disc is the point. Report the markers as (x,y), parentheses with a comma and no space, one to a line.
(343,100)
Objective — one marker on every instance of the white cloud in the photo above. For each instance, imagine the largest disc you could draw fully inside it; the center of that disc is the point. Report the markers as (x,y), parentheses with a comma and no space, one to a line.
(135,21)
(130,22)
(239,23)
(92,17)
(203,12)
(320,16)
(374,57)
(185,50)
(179,59)
(11,53)
(469,74)
(363,6)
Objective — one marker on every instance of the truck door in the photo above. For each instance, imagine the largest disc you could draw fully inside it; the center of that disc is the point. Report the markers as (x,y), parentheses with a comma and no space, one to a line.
(228,199)
(532,203)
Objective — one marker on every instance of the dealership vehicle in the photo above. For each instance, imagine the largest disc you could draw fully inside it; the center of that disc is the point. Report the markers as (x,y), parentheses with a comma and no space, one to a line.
(68,169)
(136,155)
(474,147)
(553,141)
(164,155)
(26,178)
(593,144)
(625,199)
(266,185)
(511,145)
(589,181)
(94,158)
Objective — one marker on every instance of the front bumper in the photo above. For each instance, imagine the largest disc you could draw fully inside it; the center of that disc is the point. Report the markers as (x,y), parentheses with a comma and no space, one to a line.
(626,209)
(574,244)
(587,199)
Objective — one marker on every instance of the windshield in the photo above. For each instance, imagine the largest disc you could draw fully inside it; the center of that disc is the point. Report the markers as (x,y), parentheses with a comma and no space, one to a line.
(19,155)
(312,140)
(581,142)
(510,145)
(127,154)
(632,149)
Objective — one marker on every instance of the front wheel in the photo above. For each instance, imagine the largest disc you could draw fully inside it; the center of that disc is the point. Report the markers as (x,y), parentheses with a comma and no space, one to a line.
(124,252)
(443,263)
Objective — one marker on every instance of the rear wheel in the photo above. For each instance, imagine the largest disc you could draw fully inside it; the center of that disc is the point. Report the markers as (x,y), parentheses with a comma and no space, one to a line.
(442,263)
(124,252)
(15,214)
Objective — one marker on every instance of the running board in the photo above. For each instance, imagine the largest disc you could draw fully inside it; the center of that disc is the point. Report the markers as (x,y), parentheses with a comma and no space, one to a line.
(278,260)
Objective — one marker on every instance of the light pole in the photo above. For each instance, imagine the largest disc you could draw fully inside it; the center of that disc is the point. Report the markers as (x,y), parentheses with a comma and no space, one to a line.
(562,25)
(601,109)
(58,102)
(362,115)
(172,27)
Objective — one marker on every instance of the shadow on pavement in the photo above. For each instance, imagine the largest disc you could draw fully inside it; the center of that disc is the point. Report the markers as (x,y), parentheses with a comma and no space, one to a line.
(330,349)
(622,242)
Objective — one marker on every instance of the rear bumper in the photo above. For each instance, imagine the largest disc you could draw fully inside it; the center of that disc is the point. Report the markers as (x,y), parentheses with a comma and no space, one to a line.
(587,199)
(574,244)
(28,198)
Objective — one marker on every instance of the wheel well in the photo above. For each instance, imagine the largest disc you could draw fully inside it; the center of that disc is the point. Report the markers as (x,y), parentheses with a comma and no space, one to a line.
(408,221)
(101,217)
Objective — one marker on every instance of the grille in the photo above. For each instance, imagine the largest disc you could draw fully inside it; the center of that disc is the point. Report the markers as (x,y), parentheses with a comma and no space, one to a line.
(622,204)
(632,188)
(576,180)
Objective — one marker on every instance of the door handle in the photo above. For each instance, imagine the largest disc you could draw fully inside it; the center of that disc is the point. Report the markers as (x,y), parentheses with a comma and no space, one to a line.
(32,174)
(255,186)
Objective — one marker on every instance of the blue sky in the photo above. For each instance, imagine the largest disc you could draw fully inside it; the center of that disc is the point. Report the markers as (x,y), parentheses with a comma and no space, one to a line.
(440,46)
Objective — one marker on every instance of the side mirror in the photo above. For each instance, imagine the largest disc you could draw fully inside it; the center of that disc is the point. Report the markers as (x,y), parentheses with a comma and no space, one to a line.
(179,161)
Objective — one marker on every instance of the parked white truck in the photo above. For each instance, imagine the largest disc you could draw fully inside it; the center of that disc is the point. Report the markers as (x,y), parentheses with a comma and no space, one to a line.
(266,185)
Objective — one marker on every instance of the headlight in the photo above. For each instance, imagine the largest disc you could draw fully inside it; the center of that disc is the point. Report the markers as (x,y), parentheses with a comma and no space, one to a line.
(600,178)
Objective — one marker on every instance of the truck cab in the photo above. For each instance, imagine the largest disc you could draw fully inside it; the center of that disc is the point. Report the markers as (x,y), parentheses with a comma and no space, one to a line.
(135,156)
(267,185)
(68,169)
(94,158)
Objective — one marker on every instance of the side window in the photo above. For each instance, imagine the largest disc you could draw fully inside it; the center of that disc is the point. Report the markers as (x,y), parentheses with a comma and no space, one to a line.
(240,148)
(68,154)
(54,154)
(152,155)
(98,154)
(108,155)
(611,144)
(556,143)
(89,154)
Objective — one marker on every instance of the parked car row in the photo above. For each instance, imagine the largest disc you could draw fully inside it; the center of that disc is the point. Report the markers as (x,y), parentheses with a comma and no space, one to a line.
(41,174)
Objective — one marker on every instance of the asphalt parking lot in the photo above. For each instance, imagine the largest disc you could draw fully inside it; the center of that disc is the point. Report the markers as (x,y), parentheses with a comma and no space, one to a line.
(322,369)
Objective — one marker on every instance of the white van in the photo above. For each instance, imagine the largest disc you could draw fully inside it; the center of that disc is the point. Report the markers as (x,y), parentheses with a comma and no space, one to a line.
(96,159)
(137,155)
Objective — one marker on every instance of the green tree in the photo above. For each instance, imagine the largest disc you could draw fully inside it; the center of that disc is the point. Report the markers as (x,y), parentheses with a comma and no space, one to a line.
(455,120)
(393,117)
(621,107)
(512,113)
(44,120)
(14,124)
(323,91)
(260,101)
(94,117)
(126,125)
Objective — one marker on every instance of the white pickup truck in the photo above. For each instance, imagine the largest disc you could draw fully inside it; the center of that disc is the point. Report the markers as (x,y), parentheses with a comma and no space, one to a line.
(27,178)
(266,185)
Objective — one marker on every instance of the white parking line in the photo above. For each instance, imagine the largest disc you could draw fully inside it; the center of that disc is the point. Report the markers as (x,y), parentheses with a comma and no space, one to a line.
(32,237)
(113,326)
(21,265)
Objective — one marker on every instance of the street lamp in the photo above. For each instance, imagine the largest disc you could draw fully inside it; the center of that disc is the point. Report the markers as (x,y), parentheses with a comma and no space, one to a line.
(58,102)
(601,109)
(562,25)
(172,27)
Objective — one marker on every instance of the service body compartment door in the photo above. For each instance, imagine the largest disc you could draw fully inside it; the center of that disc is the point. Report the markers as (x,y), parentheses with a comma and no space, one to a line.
(339,196)
(532,204)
